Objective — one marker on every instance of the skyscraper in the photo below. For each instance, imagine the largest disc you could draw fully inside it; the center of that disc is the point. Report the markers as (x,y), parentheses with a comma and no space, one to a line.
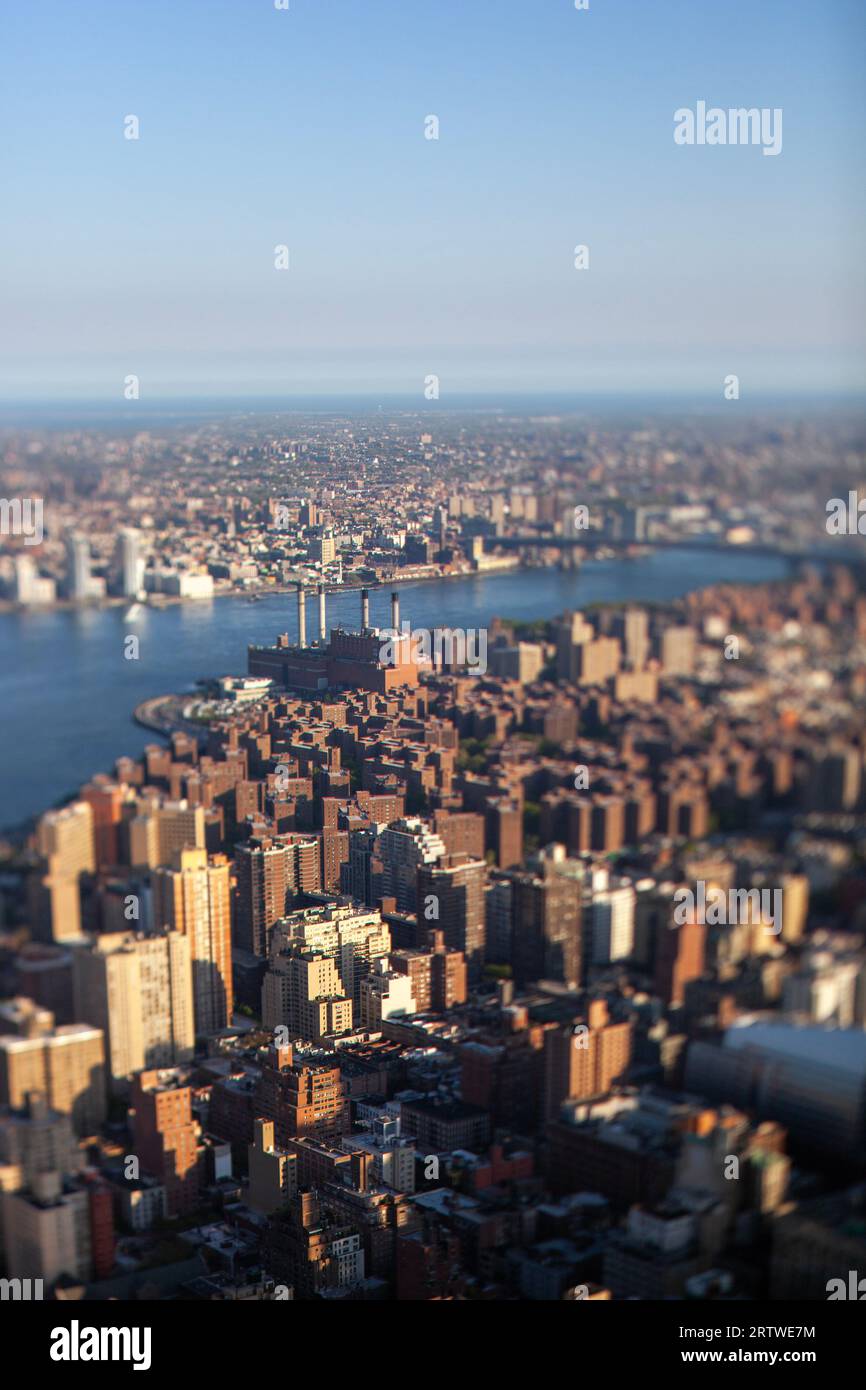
(157,834)
(138,990)
(193,898)
(451,899)
(269,873)
(66,1065)
(263,891)
(165,1136)
(546,921)
(403,848)
(65,840)
(583,1061)
(78,578)
(129,562)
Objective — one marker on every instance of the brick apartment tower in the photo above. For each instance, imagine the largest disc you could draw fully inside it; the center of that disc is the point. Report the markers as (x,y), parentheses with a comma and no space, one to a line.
(546,927)
(679,959)
(455,892)
(164,1135)
(585,1063)
(302,1098)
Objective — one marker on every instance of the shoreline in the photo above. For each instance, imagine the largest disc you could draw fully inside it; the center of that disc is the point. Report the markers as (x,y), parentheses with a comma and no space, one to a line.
(163,715)
(161,722)
(254,592)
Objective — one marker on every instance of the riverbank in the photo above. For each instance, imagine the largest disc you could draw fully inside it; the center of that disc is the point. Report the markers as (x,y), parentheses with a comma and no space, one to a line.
(164,715)
(68,687)
(415,574)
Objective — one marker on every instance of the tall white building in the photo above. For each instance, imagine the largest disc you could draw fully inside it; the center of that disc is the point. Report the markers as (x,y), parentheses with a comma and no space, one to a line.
(613,924)
(385,994)
(78,577)
(824,989)
(129,562)
(24,580)
(47,1230)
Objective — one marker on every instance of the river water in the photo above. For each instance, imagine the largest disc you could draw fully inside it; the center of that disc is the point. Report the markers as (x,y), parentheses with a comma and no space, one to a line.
(67,692)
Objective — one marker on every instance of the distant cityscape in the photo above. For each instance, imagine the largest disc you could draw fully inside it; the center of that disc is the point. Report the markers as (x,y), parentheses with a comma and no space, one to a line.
(202,511)
(527,965)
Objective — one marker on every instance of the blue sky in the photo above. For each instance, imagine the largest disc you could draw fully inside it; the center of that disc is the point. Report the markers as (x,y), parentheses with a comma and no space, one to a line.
(411,257)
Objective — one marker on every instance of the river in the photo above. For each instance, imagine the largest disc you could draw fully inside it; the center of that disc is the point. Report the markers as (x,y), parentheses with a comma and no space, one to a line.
(67,692)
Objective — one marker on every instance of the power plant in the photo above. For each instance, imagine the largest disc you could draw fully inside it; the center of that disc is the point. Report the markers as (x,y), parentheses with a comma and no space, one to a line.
(370,659)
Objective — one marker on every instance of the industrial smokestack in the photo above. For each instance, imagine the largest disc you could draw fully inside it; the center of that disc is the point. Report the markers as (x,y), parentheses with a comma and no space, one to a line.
(302,617)
(322,612)
(365,609)
(395,611)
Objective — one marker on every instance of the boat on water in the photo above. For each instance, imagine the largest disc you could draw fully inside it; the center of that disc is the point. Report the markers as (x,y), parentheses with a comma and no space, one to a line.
(133,611)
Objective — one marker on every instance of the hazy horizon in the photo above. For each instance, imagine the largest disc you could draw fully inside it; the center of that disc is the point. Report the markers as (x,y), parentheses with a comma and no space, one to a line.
(412,257)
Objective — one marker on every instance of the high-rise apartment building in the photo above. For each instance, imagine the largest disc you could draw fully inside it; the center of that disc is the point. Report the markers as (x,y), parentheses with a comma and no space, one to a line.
(581,656)
(438,975)
(303,992)
(385,994)
(450,899)
(501,1070)
(310,1249)
(362,876)
(65,842)
(679,958)
(47,1230)
(546,920)
(165,1136)
(129,562)
(264,891)
(301,1097)
(138,990)
(612,918)
(106,801)
(66,1065)
(504,831)
(354,937)
(583,1060)
(405,847)
(37,1139)
(677,649)
(78,576)
(795,906)
(160,832)
(194,898)
(270,872)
